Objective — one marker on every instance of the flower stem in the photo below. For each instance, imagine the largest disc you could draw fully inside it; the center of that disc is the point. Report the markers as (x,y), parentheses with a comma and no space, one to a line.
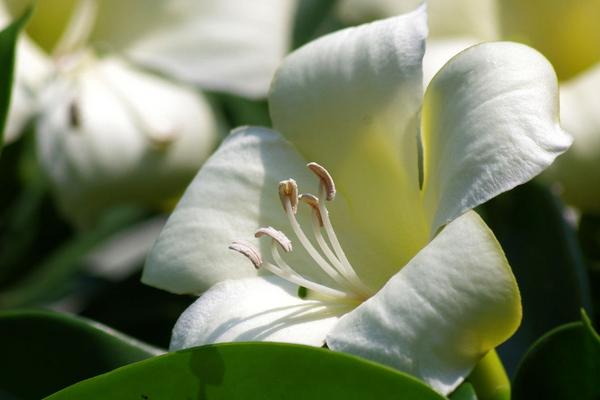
(489,378)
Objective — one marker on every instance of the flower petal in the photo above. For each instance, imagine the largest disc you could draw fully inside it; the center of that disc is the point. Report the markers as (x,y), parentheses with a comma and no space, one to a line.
(254,309)
(453,302)
(111,135)
(234,194)
(221,45)
(349,101)
(578,170)
(489,123)
(475,18)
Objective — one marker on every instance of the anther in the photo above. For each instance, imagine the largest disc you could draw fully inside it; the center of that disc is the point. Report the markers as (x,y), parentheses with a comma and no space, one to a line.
(277,236)
(288,189)
(249,251)
(325,178)
(313,202)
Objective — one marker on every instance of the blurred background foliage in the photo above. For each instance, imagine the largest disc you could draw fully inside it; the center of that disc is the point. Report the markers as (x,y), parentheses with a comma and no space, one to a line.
(45,262)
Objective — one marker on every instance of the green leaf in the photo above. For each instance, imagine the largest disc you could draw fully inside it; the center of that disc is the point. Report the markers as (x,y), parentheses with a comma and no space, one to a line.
(546,259)
(8,44)
(42,352)
(252,371)
(589,237)
(563,364)
(464,392)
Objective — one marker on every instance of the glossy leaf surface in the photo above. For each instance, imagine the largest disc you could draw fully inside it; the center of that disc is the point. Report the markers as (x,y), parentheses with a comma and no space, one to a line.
(252,371)
(563,364)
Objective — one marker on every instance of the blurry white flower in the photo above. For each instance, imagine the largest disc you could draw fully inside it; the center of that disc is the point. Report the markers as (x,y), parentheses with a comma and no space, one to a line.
(109,134)
(112,132)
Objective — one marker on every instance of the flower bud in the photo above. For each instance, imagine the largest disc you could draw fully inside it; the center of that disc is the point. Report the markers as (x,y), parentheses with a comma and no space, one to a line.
(110,134)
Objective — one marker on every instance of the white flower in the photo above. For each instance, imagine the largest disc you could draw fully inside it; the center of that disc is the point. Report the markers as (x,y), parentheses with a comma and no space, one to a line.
(565,32)
(112,132)
(409,276)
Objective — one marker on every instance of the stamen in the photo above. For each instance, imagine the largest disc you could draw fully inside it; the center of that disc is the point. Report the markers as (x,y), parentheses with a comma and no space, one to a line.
(328,253)
(249,251)
(332,262)
(325,178)
(346,270)
(288,189)
(289,274)
(281,269)
(328,269)
(279,262)
(349,272)
(313,202)
(278,236)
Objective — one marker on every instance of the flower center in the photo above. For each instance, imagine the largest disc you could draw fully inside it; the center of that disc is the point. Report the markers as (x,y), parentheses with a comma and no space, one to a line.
(329,256)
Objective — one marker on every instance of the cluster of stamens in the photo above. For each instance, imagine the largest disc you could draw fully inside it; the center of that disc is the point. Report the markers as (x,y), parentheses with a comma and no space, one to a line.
(330,257)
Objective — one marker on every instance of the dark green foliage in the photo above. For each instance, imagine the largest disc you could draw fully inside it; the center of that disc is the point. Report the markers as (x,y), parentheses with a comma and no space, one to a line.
(42,352)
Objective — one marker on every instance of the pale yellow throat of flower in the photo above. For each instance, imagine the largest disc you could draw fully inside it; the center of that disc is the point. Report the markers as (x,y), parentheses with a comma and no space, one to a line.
(329,256)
